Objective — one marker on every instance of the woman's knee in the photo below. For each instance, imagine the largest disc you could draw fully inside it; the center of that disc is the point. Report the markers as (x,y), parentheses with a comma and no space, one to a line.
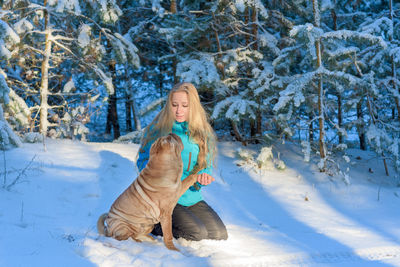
(198,233)
(218,233)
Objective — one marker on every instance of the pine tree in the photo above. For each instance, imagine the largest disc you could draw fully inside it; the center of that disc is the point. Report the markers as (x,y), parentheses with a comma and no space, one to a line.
(326,66)
(8,39)
(72,59)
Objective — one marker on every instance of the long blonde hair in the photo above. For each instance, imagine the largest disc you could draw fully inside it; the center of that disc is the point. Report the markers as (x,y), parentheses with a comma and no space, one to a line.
(200,131)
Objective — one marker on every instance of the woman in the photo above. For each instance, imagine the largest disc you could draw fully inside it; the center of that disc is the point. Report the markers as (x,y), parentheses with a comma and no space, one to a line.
(183,114)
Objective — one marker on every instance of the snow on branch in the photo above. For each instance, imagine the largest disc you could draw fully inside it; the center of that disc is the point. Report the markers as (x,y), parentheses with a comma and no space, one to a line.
(23,26)
(8,38)
(107,81)
(236,106)
(268,40)
(262,78)
(378,26)
(284,54)
(84,35)
(4,89)
(395,52)
(241,6)
(150,107)
(19,109)
(353,35)
(198,71)
(69,5)
(125,45)
(378,137)
(340,76)
(7,137)
(294,91)
(110,12)
(343,51)
(310,34)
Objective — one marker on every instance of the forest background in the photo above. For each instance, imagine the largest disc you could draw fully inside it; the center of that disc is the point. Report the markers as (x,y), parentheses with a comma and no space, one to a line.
(323,74)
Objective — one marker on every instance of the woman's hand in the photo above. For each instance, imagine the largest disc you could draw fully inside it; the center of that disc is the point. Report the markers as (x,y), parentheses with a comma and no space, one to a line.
(205,179)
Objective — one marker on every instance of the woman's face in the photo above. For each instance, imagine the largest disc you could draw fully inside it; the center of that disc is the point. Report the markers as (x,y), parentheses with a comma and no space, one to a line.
(180,106)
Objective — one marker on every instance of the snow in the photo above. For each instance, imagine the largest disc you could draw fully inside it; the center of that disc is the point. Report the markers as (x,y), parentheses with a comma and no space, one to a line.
(84,35)
(4,89)
(19,109)
(294,217)
(198,71)
(126,44)
(294,91)
(69,86)
(23,26)
(107,81)
(310,33)
(109,10)
(270,41)
(346,34)
(68,5)
(234,107)
(8,138)
(8,37)
(7,33)
(239,4)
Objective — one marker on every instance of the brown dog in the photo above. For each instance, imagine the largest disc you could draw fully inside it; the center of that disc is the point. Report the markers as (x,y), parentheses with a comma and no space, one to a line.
(151,198)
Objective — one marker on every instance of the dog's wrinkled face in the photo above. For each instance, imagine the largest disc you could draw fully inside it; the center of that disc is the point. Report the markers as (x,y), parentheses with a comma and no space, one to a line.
(171,142)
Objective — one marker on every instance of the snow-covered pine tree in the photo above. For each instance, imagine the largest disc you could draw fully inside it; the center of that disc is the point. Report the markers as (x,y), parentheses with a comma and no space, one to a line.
(72,35)
(15,108)
(148,85)
(382,99)
(8,39)
(221,62)
(324,65)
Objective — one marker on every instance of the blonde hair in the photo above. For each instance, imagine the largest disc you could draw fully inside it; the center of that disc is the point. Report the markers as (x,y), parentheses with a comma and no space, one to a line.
(200,131)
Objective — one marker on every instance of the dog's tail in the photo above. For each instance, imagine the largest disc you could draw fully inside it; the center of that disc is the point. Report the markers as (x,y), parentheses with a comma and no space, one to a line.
(101,228)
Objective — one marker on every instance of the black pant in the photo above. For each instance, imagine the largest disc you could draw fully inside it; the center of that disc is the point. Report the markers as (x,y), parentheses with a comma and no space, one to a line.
(195,222)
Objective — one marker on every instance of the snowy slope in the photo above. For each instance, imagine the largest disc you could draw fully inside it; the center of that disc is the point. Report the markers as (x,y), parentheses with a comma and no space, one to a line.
(295,217)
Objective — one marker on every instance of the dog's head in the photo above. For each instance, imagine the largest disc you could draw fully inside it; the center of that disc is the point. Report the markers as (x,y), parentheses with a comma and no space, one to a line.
(170,143)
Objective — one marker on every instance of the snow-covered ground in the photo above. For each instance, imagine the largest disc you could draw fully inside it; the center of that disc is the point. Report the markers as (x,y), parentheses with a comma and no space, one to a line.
(295,217)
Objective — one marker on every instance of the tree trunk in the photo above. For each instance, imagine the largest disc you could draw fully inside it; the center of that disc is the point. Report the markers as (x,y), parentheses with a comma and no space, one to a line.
(394,64)
(128,108)
(112,116)
(372,115)
(173,7)
(340,117)
(311,130)
(174,65)
(246,22)
(128,101)
(136,118)
(237,133)
(44,84)
(112,112)
(252,128)
(360,126)
(254,27)
(321,118)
